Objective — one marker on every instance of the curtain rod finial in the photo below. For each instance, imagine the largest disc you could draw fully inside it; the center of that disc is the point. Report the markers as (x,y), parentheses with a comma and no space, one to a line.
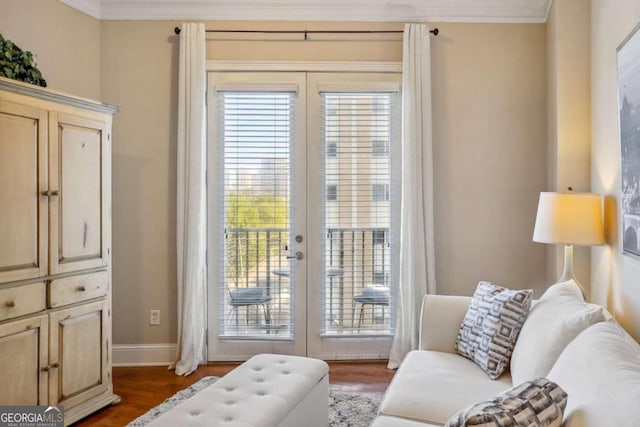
(176,30)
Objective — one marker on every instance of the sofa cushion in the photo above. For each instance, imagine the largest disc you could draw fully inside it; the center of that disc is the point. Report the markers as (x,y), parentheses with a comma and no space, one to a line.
(600,371)
(557,318)
(535,403)
(491,326)
(431,386)
(442,316)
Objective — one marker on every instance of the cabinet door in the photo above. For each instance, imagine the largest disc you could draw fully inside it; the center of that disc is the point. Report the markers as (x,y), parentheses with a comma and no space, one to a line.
(23,181)
(79,209)
(78,351)
(23,362)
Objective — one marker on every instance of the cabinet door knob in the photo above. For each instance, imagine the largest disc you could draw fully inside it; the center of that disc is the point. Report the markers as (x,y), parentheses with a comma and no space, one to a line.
(46,193)
(55,365)
(45,369)
(55,192)
(81,289)
(11,303)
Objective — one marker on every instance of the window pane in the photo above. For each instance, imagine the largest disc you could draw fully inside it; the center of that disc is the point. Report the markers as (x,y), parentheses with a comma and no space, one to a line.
(257,136)
(380,192)
(332,193)
(380,148)
(332,149)
(357,255)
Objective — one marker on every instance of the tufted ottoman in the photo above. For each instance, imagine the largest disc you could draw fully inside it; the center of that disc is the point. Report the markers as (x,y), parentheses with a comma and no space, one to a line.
(266,390)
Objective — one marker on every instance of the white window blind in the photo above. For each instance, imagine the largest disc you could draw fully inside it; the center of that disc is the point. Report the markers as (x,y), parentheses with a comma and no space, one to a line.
(256,133)
(358,131)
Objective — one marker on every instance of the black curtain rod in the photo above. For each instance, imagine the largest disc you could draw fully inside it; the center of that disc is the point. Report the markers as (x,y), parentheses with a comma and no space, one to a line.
(435,31)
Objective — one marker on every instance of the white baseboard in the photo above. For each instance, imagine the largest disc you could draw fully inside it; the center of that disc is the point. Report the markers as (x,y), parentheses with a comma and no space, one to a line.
(143,354)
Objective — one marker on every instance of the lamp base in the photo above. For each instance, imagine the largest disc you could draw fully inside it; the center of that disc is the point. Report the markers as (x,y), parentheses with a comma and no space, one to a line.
(567,273)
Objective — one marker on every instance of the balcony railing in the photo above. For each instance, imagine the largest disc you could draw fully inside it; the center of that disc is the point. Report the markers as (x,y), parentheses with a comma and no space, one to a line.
(256,288)
(358,300)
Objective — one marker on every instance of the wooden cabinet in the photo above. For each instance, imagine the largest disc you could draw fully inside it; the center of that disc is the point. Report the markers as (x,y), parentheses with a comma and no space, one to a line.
(78,346)
(24,360)
(23,178)
(78,153)
(55,250)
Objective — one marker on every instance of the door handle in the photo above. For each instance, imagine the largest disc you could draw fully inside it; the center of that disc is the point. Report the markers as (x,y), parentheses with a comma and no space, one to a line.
(299,255)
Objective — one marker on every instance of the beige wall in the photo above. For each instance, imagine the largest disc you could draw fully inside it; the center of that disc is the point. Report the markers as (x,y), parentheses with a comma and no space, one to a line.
(139,75)
(489,133)
(66,42)
(489,141)
(569,117)
(615,277)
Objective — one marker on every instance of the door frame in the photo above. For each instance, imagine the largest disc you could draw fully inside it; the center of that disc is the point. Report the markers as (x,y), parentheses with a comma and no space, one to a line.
(237,349)
(343,346)
(241,348)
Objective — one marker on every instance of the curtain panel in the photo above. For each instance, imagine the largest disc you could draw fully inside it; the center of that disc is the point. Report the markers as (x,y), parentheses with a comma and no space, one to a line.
(191,201)
(417,262)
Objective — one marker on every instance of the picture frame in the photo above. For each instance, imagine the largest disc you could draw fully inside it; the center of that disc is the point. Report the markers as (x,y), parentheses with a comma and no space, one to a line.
(628,57)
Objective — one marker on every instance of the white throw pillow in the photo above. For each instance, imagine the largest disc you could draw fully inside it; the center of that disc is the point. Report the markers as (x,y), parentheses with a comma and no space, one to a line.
(491,326)
(538,403)
(600,371)
(554,321)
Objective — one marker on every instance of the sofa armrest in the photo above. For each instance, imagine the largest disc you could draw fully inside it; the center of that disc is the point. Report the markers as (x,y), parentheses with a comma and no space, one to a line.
(441,318)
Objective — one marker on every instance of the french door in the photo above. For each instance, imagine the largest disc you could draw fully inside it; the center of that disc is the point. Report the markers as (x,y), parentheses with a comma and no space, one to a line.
(301,247)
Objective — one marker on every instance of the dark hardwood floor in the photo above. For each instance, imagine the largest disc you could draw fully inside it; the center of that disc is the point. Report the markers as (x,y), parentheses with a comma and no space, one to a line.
(142,388)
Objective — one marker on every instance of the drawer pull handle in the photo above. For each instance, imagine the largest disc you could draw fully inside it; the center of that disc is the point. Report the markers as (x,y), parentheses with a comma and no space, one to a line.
(81,289)
(11,303)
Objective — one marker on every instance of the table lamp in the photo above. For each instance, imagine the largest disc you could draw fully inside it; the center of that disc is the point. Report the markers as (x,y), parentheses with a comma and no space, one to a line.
(570,219)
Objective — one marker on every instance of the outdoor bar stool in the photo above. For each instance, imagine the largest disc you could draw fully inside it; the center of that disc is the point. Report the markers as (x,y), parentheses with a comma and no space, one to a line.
(373,295)
(248,297)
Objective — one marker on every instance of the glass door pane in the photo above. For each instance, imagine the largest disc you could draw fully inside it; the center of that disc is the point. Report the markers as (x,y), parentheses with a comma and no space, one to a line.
(254,284)
(255,292)
(356,286)
(353,232)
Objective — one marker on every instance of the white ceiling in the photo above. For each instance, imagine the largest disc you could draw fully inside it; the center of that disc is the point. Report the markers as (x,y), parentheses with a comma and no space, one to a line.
(319,10)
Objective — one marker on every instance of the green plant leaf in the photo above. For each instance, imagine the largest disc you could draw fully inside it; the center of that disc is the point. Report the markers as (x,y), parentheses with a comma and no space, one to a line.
(18,64)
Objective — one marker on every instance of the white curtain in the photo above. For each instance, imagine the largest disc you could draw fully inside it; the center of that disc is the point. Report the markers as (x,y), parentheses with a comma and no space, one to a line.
(417,263)
(191,206)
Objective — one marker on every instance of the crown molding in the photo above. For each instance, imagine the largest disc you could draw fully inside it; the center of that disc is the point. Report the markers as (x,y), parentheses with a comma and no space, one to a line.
(499,11)
(89,7)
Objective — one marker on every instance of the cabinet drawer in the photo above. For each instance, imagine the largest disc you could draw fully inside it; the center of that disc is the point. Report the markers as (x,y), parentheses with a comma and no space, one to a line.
(21,300)
(69,290)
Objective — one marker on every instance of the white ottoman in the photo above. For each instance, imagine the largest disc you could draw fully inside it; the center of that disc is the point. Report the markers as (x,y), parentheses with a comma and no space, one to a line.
(267,390)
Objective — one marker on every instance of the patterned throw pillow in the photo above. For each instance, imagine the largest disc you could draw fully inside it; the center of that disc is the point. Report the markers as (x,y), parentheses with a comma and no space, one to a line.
(537,403)
(491,326)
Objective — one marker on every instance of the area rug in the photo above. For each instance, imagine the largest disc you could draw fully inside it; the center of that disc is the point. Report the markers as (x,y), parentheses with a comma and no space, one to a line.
(345,409)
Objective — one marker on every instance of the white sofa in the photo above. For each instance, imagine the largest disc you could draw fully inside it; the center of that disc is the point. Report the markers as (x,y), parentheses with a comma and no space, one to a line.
(599,369)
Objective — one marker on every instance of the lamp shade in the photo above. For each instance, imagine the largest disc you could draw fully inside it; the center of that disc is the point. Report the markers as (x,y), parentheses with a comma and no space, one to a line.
(569,218)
